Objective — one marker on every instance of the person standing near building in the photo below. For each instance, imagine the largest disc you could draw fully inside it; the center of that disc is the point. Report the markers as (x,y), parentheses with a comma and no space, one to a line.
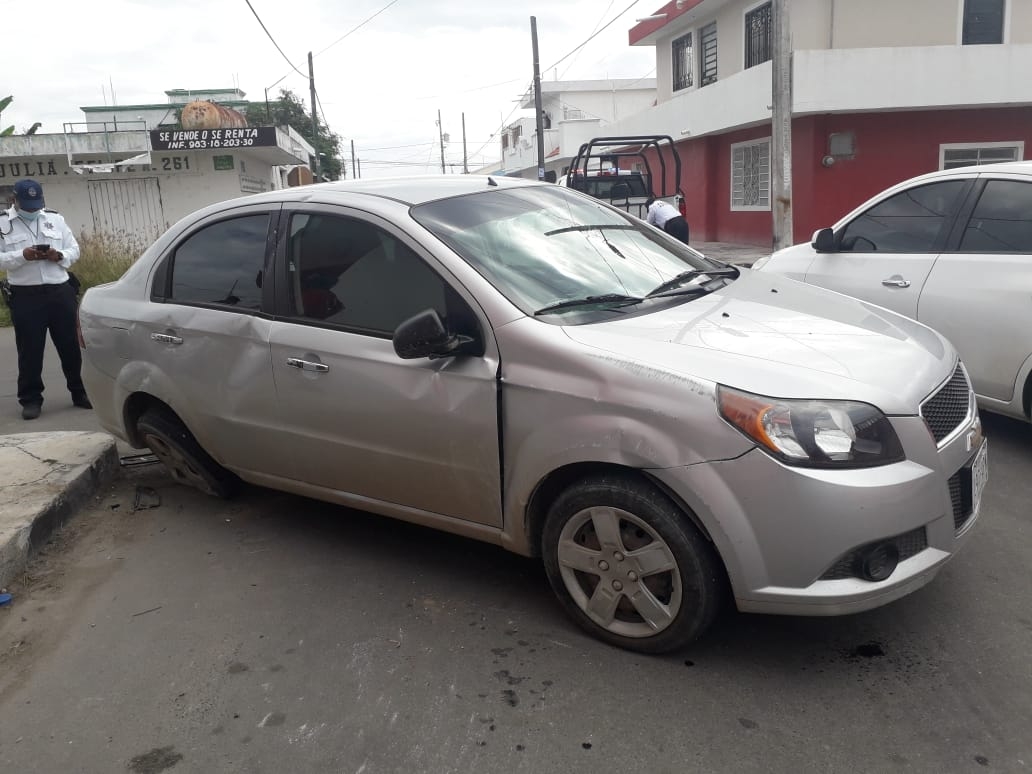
(36,250)
(665,216)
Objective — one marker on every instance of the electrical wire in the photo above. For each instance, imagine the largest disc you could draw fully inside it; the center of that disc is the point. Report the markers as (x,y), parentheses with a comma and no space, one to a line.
(600,18)
(354,29)
(593,36)
(259,18)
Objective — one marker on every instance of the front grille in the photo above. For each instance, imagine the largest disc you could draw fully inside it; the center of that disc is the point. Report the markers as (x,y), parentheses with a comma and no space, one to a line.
(946,409)
(961,497)
(908,544)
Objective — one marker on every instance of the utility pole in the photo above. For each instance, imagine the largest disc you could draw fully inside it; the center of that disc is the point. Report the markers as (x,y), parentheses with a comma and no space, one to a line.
(465,161)
(440,132)
(781,126)
(315,123)
(537,103)
(354,173)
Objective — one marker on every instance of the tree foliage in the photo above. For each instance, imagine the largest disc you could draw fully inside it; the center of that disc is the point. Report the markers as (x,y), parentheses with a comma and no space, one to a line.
(289,109)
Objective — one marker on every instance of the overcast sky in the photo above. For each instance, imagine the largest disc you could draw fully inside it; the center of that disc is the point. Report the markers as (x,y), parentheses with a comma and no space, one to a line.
(381,86)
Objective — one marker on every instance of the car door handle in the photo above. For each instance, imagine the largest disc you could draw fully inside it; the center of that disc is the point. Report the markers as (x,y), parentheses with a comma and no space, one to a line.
(896,283)
(307,365)
(166,338)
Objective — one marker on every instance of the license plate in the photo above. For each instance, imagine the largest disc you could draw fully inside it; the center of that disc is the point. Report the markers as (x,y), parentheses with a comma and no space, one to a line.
(979,475)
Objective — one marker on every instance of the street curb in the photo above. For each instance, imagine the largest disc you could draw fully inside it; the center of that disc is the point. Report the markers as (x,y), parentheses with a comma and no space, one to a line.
(74,486)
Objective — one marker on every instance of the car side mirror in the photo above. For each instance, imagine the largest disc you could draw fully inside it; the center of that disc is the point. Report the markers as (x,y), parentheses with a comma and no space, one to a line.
(424,335)
(824,241)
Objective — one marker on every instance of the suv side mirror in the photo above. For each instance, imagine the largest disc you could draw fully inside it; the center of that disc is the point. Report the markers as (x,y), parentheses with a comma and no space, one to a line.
(824,241)
(424,335)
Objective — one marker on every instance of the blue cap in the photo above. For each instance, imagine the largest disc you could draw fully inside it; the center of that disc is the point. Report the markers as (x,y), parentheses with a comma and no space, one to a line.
(29,195)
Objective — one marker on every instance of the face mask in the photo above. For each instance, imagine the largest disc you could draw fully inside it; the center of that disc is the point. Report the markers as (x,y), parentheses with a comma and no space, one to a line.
(27,215)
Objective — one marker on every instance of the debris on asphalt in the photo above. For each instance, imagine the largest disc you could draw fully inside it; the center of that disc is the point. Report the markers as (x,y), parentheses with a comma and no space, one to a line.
(5,598)
(145,498)
(134,460)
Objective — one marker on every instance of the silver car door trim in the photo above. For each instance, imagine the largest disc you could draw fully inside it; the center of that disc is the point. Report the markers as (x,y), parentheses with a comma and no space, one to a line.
(896,283)
(166,338)
(307,365)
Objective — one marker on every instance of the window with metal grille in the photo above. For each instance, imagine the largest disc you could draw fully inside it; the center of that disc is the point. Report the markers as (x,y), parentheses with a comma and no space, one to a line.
(750,175)
(955,155)
(682,57)
(708,54)
(758,24)
(983,22)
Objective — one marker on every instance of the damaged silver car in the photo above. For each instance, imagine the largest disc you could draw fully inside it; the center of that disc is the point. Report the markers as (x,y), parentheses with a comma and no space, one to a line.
(522,364)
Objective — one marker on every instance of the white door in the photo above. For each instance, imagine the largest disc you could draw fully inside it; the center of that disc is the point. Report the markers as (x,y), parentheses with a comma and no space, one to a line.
(129,210)
(886,253)
(980,295)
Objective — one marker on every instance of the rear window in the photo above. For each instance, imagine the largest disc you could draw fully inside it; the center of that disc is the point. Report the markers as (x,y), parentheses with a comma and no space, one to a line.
(615,187)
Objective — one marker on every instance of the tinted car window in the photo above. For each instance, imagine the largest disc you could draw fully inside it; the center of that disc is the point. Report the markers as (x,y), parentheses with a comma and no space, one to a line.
(348,272)
(620,187)
(222,264)
(909,222)
(1002,220)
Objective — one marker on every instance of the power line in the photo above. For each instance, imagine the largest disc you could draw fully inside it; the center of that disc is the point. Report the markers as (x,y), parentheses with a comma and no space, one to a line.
(600,18)
(259,18)
(353,29)
(593,35)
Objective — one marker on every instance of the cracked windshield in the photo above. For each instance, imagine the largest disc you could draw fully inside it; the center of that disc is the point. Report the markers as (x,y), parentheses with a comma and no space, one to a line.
(545,247)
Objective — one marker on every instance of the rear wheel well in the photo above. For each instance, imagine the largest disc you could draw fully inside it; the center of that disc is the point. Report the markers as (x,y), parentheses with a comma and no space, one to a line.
(549,488)
(138,404)
(1026,399)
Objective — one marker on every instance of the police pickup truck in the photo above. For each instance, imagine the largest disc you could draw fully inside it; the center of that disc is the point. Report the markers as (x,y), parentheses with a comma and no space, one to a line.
(625,171)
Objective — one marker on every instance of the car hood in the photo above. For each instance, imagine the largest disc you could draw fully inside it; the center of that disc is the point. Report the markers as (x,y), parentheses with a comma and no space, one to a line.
(777,337)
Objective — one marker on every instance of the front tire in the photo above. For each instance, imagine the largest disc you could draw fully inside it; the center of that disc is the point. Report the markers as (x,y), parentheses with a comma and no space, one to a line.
(188,463)
(629,566)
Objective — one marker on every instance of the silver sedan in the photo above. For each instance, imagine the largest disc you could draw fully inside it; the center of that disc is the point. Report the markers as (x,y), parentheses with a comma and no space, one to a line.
(524,365)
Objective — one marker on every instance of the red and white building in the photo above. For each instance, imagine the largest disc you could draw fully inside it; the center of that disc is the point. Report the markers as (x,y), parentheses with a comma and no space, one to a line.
(882,90)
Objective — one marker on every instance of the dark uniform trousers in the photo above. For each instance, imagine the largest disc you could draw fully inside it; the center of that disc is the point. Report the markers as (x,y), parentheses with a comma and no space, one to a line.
(677,227)
(36,309)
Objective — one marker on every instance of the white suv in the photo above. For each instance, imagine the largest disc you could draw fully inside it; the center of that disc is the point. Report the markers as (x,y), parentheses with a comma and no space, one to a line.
(951,249)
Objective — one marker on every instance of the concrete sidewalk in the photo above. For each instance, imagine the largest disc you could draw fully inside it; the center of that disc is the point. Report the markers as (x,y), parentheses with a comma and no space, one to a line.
(49,467)
(47,478)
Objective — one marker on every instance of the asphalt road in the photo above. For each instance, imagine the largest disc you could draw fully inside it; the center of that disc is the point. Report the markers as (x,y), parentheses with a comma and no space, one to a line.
(164,630)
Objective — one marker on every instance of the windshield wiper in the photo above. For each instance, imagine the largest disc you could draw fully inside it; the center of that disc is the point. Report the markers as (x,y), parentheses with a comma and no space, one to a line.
(685,277)
(599,227)
(607,298)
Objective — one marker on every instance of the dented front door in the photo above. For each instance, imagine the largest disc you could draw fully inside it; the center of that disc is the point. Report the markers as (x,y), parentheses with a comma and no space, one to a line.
(417,433)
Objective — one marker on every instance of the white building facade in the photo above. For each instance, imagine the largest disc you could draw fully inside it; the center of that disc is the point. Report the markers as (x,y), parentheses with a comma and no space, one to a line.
(130,178)
(573,113)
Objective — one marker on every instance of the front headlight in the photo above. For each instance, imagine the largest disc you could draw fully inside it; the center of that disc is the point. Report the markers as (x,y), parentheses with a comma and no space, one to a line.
(760,262)
(813,433)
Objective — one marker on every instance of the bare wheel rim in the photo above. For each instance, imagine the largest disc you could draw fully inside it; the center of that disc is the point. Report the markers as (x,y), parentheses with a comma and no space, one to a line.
(620,572)
(178,464)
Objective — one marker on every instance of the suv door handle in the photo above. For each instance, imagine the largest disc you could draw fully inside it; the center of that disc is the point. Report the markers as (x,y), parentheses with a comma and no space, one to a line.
(896,283)
(166,338)
(307,365)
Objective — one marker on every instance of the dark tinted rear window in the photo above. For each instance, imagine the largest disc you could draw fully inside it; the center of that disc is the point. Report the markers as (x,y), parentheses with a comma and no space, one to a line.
(622,187)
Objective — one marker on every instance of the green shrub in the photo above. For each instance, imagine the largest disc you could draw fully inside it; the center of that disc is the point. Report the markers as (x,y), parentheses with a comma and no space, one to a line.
(102,258)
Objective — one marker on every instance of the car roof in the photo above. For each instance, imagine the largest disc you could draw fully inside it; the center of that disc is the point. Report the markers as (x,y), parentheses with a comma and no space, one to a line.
(409,190)
(1002,168)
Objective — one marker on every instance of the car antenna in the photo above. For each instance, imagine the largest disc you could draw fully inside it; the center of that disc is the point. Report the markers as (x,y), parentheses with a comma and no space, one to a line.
(490,181)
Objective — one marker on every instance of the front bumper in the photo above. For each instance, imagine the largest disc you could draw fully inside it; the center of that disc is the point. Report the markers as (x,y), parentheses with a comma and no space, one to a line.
(785,533)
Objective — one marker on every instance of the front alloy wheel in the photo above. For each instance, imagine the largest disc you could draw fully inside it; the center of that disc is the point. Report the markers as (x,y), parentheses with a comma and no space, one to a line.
(629,566)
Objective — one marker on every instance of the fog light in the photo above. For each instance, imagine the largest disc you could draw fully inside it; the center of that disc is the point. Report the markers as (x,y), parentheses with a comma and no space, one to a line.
(878,562)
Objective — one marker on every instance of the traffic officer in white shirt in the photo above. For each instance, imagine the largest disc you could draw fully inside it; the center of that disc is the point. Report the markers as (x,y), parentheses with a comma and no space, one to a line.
(665,216)
(36,250)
